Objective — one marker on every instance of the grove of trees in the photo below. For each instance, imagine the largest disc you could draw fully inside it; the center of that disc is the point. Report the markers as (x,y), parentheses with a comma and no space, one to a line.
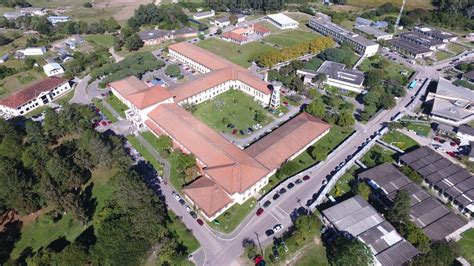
(165,16)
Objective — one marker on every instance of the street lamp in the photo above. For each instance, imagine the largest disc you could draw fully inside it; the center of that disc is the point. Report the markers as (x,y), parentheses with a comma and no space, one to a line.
(259,244)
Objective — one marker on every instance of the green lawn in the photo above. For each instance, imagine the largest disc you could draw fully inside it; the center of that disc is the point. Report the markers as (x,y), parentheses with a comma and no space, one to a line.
(105,111)
(467,245)
(344,183)
(442,55)
(100,39)
(144,152)
(118,106)
(233,107)
(289,38)
(175,179)
(92,14)
(65,98)
(231,218)
(378,155)
(420,129)
(329,142)
(19,81)
(456,48)
(240,54)
(182,232)
(393,70)
(400,140)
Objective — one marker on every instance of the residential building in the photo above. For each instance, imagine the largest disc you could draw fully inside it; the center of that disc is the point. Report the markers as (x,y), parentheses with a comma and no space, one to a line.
(436,34)
(453,183)
(222,22)
(469,76)
(229,175)
(282,21)
(58,19)
(359,219)
(74,42)
(32,51)
(53,69)
(410,48)
(204,14)
(322,24)
(465,133)
(336,75)
(429,214)
(153,37)
(4,58)
(451,105)
(423,40)
(12,15)
(34,11)
(246,34)
(187,32)
(34,96)
(376,33)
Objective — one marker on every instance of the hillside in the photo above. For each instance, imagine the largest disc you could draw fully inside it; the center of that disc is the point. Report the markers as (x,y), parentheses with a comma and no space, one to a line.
(410,4)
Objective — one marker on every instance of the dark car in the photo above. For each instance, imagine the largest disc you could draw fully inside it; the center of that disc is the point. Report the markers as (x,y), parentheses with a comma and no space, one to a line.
(193,214)
(250,129)
(200,222)
(269,232)
(282,191)
(241,132)
(290,185)
(182,202)
(309,202)
(230,126)
(259,211)
(276,196)
(298,181)
(267,203)
(306,177)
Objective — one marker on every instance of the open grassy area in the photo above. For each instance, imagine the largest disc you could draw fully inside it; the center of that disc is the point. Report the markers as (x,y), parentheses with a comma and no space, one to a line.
(19,81)
(65,98)
(231,218)
(420,129)
(92,14)
(378,155)
(343,185)
(442,55)
(393,70)
(467,245)
(456,48)
(329,142)
(425,4)
(240,54)
(100,39)
(118,106)
(289,38)
(400,140)
(233,107)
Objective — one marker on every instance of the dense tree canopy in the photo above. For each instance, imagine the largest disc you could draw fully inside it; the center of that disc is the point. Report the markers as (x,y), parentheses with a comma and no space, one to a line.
(343,251)
(166,16)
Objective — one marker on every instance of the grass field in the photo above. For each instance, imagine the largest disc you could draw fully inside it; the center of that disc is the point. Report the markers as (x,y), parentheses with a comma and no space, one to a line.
(400,140)
(100,39)
(426,4)
(231,218)
(240,54)
(393,69)
(456,48)
(105,111)
(420,129)
(92,14)
(344,183)
(118,106)
(19,81)
(467,245)
(378,155)
(289,38)
(442,55)
(233,107)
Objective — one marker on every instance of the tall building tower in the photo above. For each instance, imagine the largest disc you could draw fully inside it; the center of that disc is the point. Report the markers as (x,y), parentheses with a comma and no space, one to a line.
(275,99)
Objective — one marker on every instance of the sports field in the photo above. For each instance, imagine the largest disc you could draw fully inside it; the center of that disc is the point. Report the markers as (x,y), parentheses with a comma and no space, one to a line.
(289,38)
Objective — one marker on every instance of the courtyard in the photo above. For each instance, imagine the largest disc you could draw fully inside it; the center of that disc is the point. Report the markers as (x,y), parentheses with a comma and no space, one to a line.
(233,112)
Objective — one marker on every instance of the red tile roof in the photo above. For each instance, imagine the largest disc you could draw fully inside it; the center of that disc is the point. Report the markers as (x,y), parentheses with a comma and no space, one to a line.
(200,55)
(225,163)
(260,28)
(21,97)
(150,97)
(128,86)
(275,148)
(235,36)
(208,195)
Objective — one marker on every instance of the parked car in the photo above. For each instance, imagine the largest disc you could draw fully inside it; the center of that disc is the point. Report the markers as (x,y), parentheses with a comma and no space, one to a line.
(269,232)
(188,209)
(290,185)
(277,227)
(182,202)
(200,222)
(241,132)
(282,191)
(306,177)
(298,181)
(234,131)
(193,214)
(276,196)
(259,211)
(267,203)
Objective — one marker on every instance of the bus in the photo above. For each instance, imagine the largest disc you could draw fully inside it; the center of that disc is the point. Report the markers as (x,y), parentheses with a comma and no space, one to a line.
(412,84)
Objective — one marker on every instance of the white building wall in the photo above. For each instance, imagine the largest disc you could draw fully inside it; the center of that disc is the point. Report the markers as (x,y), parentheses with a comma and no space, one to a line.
(343,85)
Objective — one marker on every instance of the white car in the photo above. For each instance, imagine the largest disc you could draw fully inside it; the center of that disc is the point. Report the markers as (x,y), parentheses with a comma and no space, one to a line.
(277,227)
(188,209)
(160,178)
(177,197)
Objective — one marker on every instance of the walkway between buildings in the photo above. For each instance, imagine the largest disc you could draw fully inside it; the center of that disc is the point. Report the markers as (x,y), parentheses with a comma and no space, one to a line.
(390,146)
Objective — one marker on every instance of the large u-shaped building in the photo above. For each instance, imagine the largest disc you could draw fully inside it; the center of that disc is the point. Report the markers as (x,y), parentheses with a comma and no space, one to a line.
(229,174)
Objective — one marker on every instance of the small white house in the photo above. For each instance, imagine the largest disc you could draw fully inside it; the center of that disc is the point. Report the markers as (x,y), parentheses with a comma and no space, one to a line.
(53,69)
(33,51)
(203,15)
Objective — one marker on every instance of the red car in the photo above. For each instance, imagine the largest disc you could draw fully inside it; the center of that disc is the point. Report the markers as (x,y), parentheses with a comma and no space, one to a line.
(259,211)
(103,123)
(450,153)
(234,131)
(306,177)
(453,144)
(200,222)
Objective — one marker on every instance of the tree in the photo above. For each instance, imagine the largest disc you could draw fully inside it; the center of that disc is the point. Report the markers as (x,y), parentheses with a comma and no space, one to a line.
(345,119)
(286,169)
(250,248)
(316,108)
(343,251)
(362,189)
(133,42)
(233,19)
(219,31)
(400,211)
(297,84)
(112,25)
(414,235)
(87,5)
(173,71)
(259,116)
(442,253)
(318,152)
